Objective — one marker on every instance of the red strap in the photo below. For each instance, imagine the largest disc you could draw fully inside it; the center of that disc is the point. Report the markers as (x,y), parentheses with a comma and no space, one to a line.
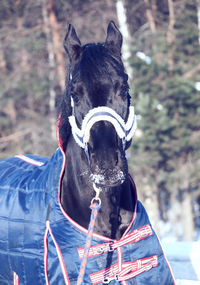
(135,236)
(129,270)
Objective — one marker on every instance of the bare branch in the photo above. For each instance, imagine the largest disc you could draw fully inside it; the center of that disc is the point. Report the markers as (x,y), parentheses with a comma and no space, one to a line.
(171,36)
(192,72)
(15,136)
(150,17)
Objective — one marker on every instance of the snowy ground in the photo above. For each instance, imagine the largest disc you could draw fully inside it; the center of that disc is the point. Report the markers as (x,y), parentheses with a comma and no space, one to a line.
(184,258)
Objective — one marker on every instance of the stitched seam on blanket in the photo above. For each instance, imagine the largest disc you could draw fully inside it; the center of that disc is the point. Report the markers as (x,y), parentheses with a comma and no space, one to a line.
(7,187)
(22,221)
(15,253)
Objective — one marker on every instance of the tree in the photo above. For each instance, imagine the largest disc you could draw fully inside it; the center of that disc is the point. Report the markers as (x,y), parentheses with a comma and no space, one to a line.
(33,65)
(166,148)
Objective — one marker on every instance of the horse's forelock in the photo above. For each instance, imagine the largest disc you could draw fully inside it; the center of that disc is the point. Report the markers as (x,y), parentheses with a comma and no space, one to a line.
(96,59)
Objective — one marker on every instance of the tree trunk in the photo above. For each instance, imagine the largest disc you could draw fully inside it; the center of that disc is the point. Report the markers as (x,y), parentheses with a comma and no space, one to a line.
(24,60)
(187,217)
(186,214)
(57,46)
(171,37)
(155,210)
(11,111)
(150,17)
(174,217)
(3,67)
(198,17)
(154,6)
(52,65)
(126,53)
(151,205)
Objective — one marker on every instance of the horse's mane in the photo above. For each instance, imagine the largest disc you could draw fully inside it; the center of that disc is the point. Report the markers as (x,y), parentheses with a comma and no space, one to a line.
(64,111)
(95,63)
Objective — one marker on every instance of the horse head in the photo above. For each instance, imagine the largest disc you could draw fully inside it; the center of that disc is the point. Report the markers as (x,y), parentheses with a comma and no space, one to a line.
(102,121)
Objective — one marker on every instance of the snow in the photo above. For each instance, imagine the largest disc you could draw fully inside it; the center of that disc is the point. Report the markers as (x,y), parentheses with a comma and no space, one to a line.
(187,282)
(197,86)
(143,57)
(184,259)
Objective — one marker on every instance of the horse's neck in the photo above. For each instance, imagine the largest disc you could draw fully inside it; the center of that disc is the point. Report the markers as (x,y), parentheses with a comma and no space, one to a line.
(77,192)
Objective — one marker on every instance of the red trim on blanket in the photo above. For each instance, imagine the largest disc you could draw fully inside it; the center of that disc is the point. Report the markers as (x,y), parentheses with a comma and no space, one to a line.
(30,160)
(15,278)
(46,254)
(59,254)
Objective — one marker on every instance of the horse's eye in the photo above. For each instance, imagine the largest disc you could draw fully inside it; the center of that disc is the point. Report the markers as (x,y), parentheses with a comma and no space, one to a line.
(124,93)
(76,98)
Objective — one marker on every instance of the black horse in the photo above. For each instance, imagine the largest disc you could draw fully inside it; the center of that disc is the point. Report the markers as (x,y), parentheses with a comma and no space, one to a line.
(97,79)
(45,202)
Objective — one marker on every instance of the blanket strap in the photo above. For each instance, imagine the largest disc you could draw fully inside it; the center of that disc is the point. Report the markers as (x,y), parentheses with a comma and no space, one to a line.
(95,207)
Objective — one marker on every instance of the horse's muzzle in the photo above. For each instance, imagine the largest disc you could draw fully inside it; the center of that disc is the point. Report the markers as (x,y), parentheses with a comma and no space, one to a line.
(110,177)
(106,156)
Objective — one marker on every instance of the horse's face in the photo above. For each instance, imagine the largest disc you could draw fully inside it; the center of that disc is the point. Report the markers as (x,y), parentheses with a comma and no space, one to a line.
(98,80)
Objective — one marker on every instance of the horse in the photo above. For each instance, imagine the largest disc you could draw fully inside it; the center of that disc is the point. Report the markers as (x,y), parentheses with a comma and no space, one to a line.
(45,203)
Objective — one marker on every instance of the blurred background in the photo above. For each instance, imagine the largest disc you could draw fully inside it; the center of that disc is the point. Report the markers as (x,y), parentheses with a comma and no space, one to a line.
(162,57)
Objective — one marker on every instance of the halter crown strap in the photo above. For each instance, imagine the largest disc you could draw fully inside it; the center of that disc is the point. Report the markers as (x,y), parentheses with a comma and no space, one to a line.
(124,130)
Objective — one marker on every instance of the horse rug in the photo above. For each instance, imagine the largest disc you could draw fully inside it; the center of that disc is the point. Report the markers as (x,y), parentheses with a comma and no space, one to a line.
(41,244)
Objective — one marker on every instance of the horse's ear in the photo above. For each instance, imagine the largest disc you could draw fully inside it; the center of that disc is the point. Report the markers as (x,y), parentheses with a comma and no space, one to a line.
(114,39)
(72,44)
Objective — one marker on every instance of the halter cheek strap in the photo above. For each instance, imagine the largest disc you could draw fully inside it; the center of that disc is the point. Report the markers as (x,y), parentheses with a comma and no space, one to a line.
(124,130)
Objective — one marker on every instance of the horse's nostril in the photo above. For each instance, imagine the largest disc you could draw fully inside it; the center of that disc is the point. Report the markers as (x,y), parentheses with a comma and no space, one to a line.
(92,156)
(117,156)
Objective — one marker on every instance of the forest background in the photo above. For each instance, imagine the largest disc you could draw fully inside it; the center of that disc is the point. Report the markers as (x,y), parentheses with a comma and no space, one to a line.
(162,57)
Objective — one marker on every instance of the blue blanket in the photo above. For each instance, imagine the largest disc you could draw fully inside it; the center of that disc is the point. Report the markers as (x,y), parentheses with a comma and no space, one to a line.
(41,244)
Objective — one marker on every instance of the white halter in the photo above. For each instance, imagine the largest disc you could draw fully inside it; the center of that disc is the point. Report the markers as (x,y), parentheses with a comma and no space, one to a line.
(124,130)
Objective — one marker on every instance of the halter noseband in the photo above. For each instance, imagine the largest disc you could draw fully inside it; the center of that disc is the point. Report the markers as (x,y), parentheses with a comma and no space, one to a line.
(125,130)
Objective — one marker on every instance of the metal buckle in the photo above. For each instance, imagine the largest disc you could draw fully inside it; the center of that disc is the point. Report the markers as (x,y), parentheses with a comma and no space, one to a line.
(117,277)
(107,280)
(110,247)
(102,249)
(96,198)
